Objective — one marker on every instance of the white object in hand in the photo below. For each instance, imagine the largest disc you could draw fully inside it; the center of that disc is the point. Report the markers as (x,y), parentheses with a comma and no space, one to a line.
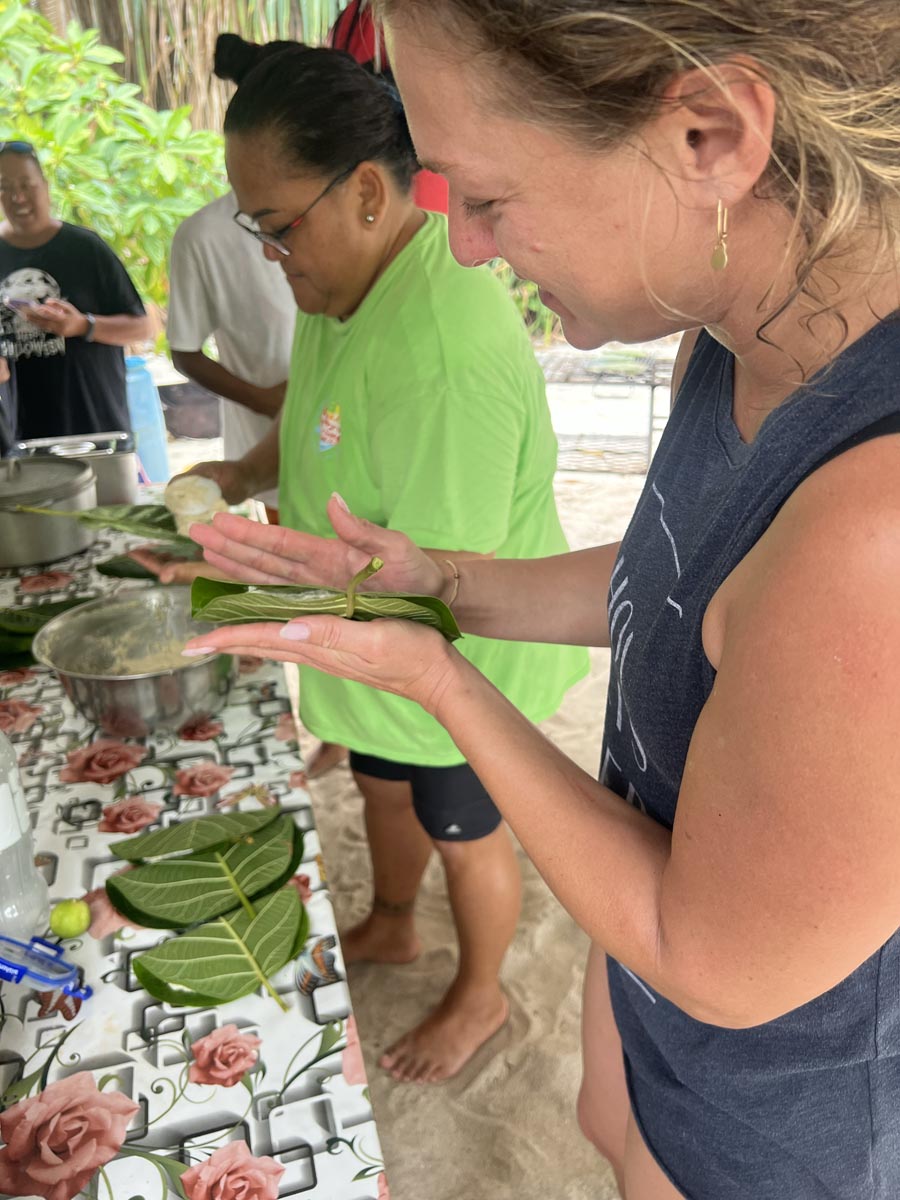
(24,899)
(191,498)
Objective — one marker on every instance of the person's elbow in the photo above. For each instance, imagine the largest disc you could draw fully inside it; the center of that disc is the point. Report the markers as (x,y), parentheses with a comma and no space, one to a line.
(184,361)
(715,990)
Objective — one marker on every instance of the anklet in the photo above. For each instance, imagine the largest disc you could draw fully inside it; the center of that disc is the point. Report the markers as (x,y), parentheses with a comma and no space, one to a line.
(393,909)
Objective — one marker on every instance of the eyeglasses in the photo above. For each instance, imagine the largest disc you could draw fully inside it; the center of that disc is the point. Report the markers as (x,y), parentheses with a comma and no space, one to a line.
(275,239)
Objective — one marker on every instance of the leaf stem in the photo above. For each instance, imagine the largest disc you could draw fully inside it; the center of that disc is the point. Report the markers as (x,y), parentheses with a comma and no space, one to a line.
(236,887)
(255,965)
(374,564)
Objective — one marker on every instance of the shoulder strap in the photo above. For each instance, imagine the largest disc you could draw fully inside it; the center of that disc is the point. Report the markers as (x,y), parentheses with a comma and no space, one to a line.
(884,425)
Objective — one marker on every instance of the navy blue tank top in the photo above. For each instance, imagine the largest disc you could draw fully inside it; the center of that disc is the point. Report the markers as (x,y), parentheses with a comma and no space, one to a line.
(806,1107)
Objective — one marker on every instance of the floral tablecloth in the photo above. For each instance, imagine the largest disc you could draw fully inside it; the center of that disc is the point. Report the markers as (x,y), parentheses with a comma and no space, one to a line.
(122,1096)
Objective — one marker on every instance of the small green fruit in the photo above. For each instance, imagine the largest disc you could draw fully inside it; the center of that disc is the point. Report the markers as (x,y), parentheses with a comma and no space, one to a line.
(70,918)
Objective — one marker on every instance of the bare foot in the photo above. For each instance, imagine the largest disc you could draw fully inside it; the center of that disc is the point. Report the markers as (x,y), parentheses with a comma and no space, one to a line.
(445,1041)
(381,939)
(325,756)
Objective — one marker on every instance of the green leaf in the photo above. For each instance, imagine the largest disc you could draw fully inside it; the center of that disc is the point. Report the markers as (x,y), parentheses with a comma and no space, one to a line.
(224,959)
(237,603)
(28,619)
(150,521)
(176,893)
(201,833)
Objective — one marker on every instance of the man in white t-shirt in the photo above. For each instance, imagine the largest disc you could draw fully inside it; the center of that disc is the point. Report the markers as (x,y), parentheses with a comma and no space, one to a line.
(222,286)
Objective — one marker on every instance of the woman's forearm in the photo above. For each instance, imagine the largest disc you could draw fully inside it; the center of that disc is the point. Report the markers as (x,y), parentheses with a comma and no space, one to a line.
(561,599)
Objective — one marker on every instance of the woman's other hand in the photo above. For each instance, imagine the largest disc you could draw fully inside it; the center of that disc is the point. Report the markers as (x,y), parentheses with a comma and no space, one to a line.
(400,657)
(256,553)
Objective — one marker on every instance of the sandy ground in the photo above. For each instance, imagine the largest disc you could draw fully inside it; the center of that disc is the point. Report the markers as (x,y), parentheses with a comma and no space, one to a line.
(504,1129)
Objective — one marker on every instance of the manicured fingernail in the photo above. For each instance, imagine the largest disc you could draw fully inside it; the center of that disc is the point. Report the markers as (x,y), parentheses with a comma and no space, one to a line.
(196,651)
(295,631)
(341,501)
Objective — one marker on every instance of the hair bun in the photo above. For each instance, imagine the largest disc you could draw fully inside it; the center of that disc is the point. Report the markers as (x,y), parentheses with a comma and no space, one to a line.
(234,58)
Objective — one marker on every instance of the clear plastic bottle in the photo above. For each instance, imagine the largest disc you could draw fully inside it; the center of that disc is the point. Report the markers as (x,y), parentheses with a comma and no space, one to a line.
(24,899)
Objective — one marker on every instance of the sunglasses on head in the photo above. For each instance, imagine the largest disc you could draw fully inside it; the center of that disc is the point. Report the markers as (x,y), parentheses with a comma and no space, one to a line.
(18,148)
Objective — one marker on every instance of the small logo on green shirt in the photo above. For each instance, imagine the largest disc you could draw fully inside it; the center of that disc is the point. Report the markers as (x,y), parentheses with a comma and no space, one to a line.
(329,428)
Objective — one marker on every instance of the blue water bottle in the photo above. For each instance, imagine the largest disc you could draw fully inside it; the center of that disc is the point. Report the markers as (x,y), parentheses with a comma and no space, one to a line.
(147,422)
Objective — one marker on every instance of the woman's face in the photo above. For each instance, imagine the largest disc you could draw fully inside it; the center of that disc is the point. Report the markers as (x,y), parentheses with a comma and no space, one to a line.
(601,234)
(331,259)
(24,195)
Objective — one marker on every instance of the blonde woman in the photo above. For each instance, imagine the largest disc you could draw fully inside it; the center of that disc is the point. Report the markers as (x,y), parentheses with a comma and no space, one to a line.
(734,171)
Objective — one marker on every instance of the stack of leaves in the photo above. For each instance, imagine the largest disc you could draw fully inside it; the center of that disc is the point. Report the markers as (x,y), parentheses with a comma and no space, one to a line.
(237,603)
(221,882)
(19,625)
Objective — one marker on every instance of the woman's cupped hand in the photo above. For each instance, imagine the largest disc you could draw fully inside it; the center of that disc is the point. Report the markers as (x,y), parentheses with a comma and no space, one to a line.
(395,656)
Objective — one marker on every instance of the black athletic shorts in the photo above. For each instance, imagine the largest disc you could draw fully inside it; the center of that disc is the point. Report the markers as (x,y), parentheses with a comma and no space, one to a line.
(450,802)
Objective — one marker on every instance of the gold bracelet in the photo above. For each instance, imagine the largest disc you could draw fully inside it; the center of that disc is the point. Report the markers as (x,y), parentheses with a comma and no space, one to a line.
(455,569)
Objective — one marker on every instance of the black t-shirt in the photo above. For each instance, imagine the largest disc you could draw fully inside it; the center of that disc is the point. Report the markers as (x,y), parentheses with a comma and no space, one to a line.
(66,385)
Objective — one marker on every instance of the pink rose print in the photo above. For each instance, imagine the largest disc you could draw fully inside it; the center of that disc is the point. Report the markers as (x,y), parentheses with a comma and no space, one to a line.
(200,729)
(352,1066)
(105,919)
(129,816)
(203,780)
(232,1173)
(17,716)
(298,779)
(300,883)
(101,762)
(285,730)
(57,1140)
(47,581)
(248,663)
(223,1056)
(384,1192)
(16,676)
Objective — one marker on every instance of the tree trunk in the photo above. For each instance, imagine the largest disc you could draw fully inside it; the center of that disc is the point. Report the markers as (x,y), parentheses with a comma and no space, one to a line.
(53,11)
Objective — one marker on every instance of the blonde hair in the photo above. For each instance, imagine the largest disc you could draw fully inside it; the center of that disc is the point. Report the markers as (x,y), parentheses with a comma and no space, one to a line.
(597,72)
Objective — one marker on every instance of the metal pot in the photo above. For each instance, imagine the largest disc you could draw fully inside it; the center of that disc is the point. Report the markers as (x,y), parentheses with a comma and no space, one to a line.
(110,454)
(29,538)
(87,646)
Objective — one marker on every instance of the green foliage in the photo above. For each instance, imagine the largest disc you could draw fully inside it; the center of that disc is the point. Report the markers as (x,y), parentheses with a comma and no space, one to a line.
(113,163)
(540,321)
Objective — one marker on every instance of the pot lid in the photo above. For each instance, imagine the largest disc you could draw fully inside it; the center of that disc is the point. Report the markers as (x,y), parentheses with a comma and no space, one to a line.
(39,481)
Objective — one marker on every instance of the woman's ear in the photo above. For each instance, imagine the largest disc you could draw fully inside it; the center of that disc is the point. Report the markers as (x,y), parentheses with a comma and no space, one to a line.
(718,129)
(371,194)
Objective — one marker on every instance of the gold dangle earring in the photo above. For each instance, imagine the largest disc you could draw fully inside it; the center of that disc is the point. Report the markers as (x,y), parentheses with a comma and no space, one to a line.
(719,260)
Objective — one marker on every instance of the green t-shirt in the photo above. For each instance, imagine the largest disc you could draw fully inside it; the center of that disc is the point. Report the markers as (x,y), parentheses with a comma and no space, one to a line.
(426,410)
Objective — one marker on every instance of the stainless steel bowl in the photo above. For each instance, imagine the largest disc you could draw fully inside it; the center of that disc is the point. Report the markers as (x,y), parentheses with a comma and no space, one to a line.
(88,645)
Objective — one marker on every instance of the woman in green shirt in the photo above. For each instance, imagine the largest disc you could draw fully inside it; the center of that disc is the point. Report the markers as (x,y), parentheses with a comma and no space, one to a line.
(415,394)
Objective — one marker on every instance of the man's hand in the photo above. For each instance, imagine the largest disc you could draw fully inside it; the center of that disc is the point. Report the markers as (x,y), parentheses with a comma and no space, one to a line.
(233,479)
(58,317)
(4,371)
